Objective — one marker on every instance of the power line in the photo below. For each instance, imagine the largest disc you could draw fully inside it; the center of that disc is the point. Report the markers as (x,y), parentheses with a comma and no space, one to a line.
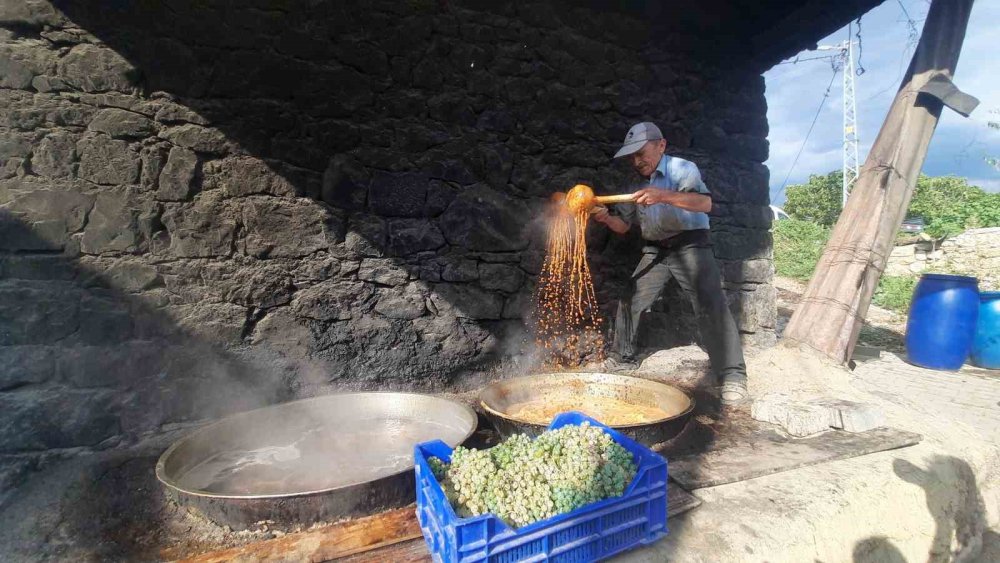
(912,24)
(808,133)
(798,60)
(861,68)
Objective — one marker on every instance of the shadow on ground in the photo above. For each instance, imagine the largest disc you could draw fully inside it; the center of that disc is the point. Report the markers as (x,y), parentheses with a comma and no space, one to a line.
(961,532)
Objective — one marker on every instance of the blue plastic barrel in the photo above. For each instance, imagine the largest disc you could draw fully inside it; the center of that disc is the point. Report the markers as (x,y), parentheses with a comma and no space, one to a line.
(942,321)
(986,346)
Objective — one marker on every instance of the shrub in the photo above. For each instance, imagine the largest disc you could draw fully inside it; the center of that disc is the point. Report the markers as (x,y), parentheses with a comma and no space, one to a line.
(797,247)
(894,292)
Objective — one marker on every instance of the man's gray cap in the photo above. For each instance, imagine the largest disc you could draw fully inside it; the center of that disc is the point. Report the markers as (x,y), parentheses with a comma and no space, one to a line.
(637,136)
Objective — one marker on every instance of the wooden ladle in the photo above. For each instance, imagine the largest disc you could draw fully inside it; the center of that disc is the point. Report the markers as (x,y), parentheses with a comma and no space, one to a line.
(582,198)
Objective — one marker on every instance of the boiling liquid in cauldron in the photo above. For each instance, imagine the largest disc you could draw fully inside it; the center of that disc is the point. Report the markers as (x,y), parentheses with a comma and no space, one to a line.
(613,412)
(321,458)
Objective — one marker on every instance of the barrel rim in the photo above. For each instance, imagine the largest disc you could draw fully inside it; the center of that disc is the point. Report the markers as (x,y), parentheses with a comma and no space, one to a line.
(987,295)
(950,277)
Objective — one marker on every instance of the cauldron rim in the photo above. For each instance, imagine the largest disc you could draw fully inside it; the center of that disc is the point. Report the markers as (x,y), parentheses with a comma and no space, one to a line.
(586,375)
(171,481)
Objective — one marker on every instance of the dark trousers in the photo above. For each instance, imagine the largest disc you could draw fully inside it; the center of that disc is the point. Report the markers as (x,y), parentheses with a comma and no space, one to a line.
(689,259)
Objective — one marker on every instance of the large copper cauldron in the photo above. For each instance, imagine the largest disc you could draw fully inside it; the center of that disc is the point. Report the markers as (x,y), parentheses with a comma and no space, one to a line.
(311,460)
(498,399)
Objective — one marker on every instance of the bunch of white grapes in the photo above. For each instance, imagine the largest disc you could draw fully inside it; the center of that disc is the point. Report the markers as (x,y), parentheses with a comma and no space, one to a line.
(523,480)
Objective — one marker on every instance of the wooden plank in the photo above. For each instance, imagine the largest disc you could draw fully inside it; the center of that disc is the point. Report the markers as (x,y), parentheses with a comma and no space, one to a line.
(769,453)
(391,536)
(326,543)
(679,501)
(413,551)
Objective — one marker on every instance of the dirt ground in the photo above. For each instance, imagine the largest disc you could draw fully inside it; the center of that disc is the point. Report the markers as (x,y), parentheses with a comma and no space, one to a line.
(883,329)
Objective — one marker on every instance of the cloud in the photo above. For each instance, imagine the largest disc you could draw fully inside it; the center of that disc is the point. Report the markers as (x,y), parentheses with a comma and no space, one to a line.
(795,91)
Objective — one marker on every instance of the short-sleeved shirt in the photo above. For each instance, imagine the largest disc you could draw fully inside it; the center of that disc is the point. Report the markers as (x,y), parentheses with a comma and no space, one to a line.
(662,221)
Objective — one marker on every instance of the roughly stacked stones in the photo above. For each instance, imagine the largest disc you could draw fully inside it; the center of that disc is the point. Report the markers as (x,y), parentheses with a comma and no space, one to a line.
(194,204)
(975,252)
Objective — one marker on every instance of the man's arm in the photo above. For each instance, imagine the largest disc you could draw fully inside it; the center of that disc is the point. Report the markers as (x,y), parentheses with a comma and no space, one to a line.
(689,201)
(616,224)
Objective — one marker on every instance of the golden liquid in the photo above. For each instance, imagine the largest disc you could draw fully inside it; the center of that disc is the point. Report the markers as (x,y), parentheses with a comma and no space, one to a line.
(613,412)
(567,320)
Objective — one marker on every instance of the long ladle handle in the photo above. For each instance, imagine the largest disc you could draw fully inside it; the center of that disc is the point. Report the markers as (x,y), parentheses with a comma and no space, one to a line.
(620,198)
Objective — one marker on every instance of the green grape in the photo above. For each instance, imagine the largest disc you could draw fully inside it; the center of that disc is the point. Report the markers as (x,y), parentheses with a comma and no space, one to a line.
(523,481)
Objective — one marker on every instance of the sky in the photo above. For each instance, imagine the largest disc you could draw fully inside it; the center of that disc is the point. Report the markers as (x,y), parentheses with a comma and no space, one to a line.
(959,145)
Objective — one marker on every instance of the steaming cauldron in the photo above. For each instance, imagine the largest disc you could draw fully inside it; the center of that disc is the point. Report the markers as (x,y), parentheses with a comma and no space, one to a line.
(311,460)
(501,400)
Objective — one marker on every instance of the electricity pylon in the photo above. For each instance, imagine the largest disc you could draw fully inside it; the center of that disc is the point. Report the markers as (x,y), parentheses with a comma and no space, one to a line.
(845,59)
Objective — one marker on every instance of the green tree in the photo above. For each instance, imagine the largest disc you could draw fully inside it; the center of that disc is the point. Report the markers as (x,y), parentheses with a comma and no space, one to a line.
(818,200)
(949,205)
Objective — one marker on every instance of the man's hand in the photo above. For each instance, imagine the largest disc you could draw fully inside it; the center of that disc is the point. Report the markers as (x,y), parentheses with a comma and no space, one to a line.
(600,214)
(688,201)
(652,196)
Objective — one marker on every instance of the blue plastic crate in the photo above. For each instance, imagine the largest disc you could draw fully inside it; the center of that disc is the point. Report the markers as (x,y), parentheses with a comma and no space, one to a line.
(589,533)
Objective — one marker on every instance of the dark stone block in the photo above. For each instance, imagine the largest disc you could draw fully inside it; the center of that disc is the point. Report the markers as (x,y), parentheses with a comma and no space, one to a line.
(37,267)
(345,183)
(103,320)
(197,138)
(398,195)
(38,316)
(741,244)
(408,304)
(121,123)
(409,236)
(55,155)
(759,270)
(500,276)
(113,226)
(101,366)
(133,276)
(519,306)
(430,271)
(367,235)
(243,176)
(459,270)
(200,230)
(266,286)
(153,158)
(382,271)
(33,14)
(466,301)
(85,418)
(212,323)
(439,197)
(25,365)
(104,160)
(279,228)
(483,219)
(42,219)
(96,69)
(177,180)
(450,170)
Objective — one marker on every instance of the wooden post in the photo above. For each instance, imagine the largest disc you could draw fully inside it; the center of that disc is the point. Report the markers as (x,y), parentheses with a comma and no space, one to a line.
(831,312)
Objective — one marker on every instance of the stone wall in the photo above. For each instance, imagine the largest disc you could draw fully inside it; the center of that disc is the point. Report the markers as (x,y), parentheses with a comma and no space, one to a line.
(206,207)
(975,252)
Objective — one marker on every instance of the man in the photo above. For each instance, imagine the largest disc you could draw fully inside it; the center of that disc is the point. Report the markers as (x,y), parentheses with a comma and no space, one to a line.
(672,214)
